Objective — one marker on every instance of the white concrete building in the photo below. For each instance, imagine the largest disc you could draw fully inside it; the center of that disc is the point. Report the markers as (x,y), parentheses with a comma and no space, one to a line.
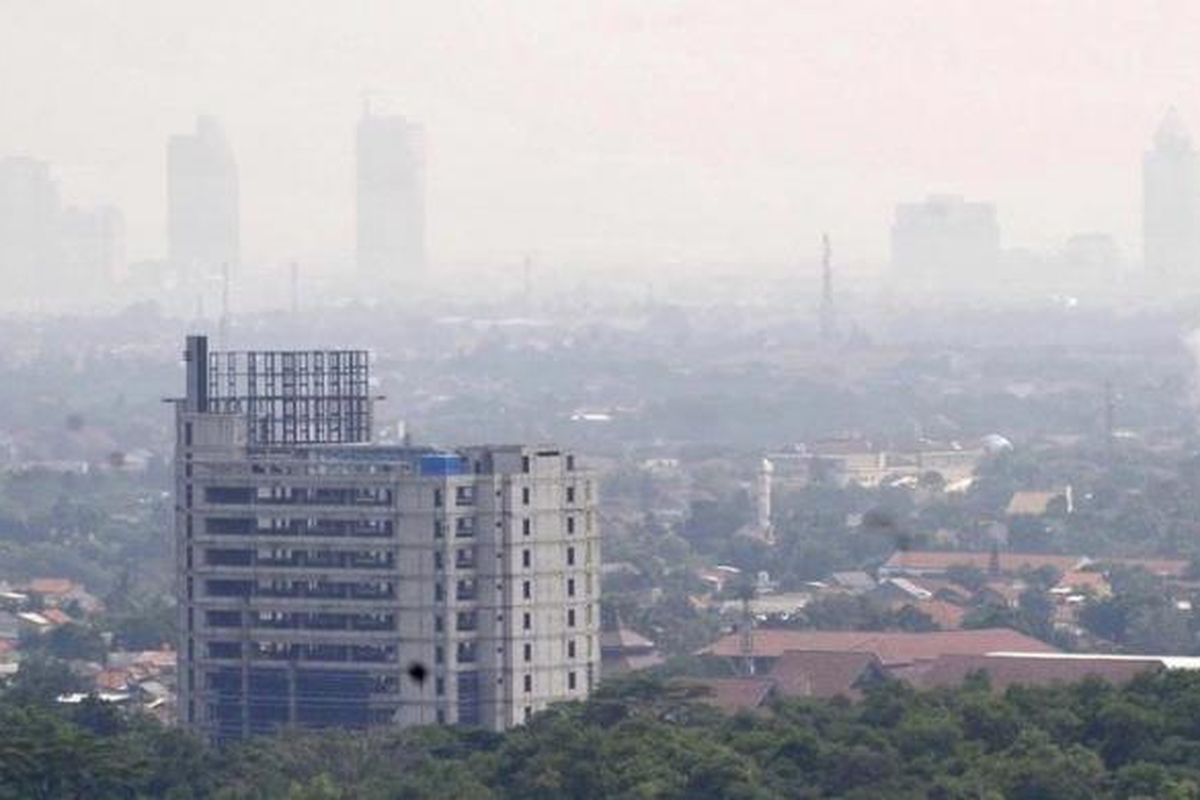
(327,581)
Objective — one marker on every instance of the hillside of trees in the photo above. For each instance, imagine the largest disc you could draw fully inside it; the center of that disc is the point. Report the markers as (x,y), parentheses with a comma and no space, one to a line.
(644,738)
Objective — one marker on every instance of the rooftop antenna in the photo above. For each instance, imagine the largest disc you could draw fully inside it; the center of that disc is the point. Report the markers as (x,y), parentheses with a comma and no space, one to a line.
(828,319)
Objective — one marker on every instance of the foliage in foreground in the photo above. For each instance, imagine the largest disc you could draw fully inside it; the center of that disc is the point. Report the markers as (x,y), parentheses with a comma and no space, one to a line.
(640,738)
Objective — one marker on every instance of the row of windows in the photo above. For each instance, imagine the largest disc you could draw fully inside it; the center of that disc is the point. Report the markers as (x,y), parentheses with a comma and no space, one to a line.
(527,557)
(527,589)
(329,590)
(287,557)
(571,682)
(301,620)
(299,495)
(288,651)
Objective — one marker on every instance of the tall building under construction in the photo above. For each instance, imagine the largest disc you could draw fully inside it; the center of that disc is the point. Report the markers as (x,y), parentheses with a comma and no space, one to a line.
(324,580)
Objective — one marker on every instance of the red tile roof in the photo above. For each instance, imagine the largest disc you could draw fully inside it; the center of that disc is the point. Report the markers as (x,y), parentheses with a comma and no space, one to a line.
(940,560)
(946,616)
(816,673)
(736,694)
(51,585)
(56,616)
(1003,671)
(891,648)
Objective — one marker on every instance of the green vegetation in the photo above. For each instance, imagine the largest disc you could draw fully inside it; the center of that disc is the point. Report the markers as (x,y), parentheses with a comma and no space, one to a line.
(90,528)
(641,738)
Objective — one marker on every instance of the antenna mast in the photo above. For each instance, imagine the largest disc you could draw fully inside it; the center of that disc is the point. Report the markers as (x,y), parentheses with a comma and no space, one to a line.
(828,318)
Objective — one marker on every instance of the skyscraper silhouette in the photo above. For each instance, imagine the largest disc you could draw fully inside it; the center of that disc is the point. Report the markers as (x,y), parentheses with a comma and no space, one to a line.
(1171,204)
(390,198)
(202,202)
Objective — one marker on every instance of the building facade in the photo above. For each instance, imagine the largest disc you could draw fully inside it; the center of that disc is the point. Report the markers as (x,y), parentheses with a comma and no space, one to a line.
(327,581)
(390,199)
(203,216)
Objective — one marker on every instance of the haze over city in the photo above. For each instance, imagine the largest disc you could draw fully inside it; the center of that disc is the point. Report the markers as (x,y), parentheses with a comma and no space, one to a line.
(563,400)
(613,134)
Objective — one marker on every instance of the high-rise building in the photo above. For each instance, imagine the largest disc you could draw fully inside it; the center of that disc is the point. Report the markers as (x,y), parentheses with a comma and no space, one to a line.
(945,244)
(93,246)
(324,580)
(30,214)
(202,202)
(1171,204)
(390,198)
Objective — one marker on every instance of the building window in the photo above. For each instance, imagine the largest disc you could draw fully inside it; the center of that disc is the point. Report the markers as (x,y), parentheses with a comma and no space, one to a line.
(571,648)
(524,463)
(570,618)
(570,587)
(525,496)
(570,556)
(439,686)
(439,592)
(570,463)
(571,680)
(526,558)
(528,713)
(437,560)
(526,526)
(570,524)
(528,683)
(438,500)
(187,434)
(464,496)
(528,652)
(526,620)
(441,716)
(439,655)
(526,590)
(439,529)
(438,624)
(570,494)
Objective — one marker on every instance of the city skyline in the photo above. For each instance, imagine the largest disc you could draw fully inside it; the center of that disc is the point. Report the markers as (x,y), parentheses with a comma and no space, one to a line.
(535,148)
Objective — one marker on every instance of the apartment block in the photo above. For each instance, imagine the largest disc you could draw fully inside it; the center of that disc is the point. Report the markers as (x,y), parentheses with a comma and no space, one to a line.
(324,580)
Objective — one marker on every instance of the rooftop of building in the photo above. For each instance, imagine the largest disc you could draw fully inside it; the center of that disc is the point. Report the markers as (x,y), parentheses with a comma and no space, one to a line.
(891,648)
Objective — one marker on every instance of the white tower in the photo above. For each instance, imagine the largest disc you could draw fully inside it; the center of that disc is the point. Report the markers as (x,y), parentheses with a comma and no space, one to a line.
(765,472)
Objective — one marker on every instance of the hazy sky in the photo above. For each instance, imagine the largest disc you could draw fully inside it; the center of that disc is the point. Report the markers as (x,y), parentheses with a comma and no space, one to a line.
(612,131)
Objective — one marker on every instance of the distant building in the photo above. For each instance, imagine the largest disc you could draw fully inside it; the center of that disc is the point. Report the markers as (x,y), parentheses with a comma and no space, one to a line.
(1089,260)
(390,185)
(203,217)
(47,252)
(845,462)
(93,245)
(945,244)
(30,214)
(1171,204)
